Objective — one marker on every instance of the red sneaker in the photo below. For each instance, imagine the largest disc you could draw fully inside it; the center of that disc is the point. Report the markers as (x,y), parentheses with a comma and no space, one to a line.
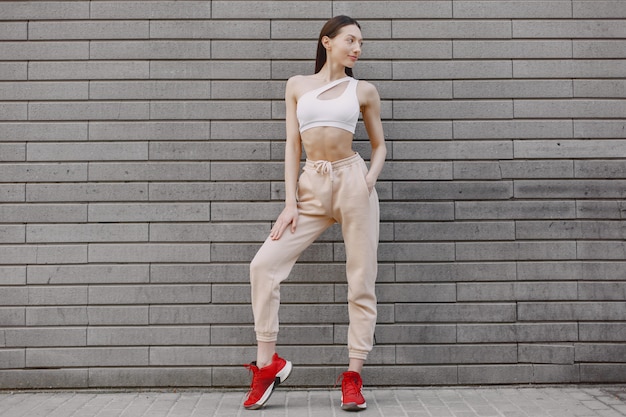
(351,392)
(265,380)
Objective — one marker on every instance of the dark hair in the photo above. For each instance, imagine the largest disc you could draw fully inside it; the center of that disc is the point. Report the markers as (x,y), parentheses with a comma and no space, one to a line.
(331,29)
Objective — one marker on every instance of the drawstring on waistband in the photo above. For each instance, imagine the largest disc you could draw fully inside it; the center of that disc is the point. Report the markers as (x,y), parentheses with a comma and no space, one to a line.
(324,167)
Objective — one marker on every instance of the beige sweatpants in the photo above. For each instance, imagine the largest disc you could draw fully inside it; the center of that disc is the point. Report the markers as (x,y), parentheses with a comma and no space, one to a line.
(328,192)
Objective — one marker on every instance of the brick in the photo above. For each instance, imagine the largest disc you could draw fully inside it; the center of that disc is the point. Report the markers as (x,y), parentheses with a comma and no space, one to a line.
(409,293)
(53,172)
(571,108)
(561,189)
(444,150)
(513,89)
(394,9)
(209,314)
(12,316)
(568,29)
(221,232)
(10,152)
(454,231)
(459,312)
(599,49)
(537,169)
(455,354)
(599,210)
(600,353)
(236,252)
(511,9)
(12,234)
(599,129)
(401,211)
(150,171)
(170,131)
(438,29)
(607,169)
(118,316)
(410,333)
(149,90)
(150,50)
(150,10)
(88,274)
(43,213)
(12,192)
(507,251)
(455,272)
(88,70)
(86,233)
(519,332)
(512,49)
(13,71)
(548,354)
(601,290)
(113,151)
(411,170)
(41,51)
(559,374)
(577,68)
(446,70)
(599,9)
(271,9)
(133,253)
(517,129)
(53,10)
(208,151)
(210,29)
(37,358)
(602,332)
(607,373)
(253,90)
(88,30)
(205,69)
(601,250)
(453,190)
(453,110)
(57,295)
(44,90)
(150,294)
(403,252)
(12,358)
(80,192)
(13,111)
(202,273)
(251,211)
(602,270)
(412,130)
(17,254)
(572,311)
(44,378)
(13,275)
(531,210)
(222,191)
(56,316)
(116,212)
(147,336)
(569,230)
(88,110)
(210,110)
(413,375)
(35,132)
(14,296)
(600,88)
(150,377)
(46,337)
(495,374)
(516,291)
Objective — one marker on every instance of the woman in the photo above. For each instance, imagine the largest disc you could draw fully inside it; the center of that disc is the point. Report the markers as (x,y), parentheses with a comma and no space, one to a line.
(335,186)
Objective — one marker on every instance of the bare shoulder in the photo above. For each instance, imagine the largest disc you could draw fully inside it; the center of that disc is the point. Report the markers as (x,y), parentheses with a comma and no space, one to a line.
(367,92)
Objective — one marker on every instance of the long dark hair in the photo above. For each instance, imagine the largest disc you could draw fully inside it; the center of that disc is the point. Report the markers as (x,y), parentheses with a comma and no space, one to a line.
(331,29)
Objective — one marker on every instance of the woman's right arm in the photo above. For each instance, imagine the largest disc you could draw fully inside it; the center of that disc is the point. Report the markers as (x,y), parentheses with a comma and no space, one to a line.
(293,153)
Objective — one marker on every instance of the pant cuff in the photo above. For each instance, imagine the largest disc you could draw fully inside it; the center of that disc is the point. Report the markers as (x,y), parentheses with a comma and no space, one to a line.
(357,354)
(266,337)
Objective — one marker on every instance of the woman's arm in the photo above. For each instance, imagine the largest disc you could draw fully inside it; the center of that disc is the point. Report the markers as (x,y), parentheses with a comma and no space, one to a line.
(293,153)
(370,109)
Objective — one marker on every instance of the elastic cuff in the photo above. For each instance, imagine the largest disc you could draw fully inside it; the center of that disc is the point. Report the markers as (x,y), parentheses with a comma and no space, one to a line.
(357,354)
(266,337)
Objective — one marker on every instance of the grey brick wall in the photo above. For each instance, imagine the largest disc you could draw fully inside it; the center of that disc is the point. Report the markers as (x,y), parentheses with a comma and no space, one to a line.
(141,168)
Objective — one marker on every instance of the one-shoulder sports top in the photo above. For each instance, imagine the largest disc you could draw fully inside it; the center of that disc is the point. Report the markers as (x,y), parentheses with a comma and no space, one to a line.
(341,112)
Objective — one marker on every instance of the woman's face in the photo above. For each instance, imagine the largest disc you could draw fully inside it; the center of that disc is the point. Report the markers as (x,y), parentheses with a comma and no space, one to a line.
(345,48)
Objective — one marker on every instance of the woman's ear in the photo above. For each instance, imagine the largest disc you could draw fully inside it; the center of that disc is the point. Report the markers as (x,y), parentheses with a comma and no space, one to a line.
(326,42)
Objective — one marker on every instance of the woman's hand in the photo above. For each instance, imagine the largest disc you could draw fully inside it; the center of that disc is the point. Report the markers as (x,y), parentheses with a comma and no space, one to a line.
(370,180)
(288,216)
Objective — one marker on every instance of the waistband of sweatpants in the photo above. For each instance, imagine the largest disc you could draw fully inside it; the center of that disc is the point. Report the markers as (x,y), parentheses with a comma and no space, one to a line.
(337,164)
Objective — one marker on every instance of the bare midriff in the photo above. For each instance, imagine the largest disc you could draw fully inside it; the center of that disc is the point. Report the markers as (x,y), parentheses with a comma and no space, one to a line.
(327,143)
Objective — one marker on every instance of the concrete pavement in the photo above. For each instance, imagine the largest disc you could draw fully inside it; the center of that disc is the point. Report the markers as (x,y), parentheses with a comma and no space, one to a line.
(569,401)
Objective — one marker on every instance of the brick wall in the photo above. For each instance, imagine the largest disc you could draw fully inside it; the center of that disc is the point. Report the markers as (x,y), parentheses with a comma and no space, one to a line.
(141,147)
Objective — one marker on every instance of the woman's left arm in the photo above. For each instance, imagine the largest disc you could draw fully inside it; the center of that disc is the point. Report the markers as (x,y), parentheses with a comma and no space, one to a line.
(370,109)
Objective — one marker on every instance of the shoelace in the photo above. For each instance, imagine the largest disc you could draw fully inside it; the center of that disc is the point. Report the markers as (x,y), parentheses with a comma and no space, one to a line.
(352,384)
(255,374)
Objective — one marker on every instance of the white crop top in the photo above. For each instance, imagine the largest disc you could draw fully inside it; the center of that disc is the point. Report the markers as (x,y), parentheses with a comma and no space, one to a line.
(342,112)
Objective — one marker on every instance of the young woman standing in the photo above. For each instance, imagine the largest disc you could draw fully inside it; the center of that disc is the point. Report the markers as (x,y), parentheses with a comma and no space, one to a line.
(335,186)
